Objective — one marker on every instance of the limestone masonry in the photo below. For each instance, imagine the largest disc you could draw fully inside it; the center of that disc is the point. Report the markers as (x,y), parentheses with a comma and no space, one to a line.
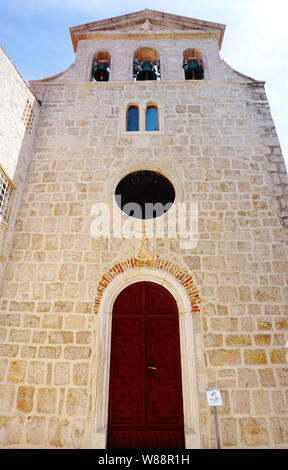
(64,146)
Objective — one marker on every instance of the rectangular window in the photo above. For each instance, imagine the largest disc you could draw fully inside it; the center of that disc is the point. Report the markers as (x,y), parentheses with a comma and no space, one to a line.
(6,190)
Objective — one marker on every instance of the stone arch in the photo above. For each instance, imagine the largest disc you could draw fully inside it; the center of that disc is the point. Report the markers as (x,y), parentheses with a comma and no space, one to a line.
(181,286)
(160,263)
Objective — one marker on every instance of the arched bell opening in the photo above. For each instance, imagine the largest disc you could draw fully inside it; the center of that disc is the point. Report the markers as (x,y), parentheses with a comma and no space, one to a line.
(101,66)
(193,64)
(146,64)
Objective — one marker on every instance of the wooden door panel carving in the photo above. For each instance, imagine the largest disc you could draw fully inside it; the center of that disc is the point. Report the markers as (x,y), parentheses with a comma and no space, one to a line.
(164,381)
(131,300)
(159,301)
(128,378)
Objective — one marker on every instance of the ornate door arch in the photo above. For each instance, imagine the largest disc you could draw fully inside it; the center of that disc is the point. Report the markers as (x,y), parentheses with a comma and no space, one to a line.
(188,310)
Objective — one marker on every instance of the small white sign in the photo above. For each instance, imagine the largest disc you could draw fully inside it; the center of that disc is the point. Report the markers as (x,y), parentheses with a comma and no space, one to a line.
(214,397)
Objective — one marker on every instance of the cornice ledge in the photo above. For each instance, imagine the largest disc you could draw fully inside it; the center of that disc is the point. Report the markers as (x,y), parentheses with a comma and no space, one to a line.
(169,34)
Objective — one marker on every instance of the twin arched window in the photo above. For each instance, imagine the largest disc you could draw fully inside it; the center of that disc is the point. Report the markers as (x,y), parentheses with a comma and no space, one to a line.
(151,118)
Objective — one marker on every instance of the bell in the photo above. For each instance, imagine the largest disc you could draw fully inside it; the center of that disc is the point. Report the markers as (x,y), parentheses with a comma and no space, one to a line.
(100,73)
(146,72)
(147,66)
(193,70)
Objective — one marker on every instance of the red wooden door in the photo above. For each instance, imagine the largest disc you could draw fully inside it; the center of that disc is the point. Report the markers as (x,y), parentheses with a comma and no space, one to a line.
(145,394)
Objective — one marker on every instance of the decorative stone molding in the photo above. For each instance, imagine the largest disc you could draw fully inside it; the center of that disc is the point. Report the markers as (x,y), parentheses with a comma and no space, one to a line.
(159,263)
(146,26)
(178,24)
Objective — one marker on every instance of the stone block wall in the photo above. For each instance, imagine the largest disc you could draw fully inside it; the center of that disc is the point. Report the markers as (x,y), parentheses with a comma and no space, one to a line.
(219,144)
(19,111)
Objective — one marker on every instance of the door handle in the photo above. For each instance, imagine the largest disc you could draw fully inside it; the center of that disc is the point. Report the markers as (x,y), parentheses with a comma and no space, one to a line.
(153,368)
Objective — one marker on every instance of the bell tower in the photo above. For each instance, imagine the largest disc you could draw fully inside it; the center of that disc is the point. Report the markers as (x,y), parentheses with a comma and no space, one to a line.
(149,258)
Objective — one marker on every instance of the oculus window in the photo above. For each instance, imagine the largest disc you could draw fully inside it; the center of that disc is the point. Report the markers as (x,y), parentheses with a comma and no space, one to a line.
(145,194)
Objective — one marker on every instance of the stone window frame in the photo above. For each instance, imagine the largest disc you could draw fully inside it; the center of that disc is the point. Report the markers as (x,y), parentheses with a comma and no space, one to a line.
(8,189)
(142,118)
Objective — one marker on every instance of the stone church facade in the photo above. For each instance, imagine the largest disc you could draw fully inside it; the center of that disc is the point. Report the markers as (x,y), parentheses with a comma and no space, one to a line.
(66,145)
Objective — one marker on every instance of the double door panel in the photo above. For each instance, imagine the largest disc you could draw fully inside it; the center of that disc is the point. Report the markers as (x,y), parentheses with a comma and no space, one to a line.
(145,396)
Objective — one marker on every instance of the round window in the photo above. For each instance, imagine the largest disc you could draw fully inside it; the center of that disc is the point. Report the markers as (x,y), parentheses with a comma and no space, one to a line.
(145,194)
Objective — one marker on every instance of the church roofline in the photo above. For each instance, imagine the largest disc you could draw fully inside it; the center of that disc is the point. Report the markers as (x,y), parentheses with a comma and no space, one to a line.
(133,19)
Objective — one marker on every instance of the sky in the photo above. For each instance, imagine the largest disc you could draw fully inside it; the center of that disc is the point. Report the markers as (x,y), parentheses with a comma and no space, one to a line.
(35,35)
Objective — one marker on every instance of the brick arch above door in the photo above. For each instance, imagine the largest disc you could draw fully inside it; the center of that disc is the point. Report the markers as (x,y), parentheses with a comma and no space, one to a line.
(183,277)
